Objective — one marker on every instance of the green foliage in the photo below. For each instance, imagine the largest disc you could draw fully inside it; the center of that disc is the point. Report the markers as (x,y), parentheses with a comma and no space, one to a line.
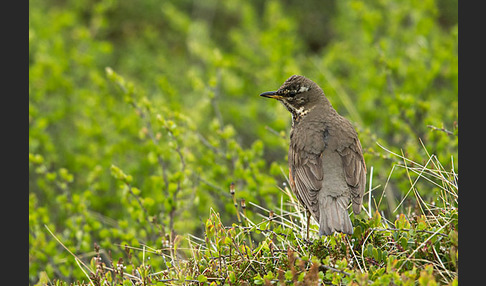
(142,115)
(411,249)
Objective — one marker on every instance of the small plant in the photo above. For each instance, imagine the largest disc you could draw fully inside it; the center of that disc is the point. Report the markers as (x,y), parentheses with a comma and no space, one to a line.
(272,250)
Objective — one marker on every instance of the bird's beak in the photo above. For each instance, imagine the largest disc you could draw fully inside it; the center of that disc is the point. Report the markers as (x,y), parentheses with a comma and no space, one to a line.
(271,94)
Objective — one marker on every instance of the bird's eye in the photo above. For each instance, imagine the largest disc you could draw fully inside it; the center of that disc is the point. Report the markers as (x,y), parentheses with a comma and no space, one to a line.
(292,92)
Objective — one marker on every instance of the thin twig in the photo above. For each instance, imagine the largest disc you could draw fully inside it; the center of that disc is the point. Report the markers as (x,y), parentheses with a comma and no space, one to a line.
(369,193)
(422,244)
(406,229)
(275,132)
(441,129)
(75,257)
(335,269)
(155,141)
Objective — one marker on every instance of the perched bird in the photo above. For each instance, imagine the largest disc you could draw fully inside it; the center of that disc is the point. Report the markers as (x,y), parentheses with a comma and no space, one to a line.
(327,170)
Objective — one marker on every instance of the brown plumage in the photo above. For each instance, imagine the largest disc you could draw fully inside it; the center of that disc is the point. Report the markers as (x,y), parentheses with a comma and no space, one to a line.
(326,165)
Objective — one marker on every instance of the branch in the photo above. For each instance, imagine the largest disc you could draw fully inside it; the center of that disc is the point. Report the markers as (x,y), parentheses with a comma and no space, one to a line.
(441,129)
(405,229)
(150,132)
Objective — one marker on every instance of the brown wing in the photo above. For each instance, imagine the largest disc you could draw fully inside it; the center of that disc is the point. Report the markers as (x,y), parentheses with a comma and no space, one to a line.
(306,177)
(355,170)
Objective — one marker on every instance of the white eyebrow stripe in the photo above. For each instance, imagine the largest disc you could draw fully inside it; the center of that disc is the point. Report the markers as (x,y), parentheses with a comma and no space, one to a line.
(303,88)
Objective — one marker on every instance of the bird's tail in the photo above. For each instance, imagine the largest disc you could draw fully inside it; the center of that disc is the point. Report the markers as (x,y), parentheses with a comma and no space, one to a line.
(333,215)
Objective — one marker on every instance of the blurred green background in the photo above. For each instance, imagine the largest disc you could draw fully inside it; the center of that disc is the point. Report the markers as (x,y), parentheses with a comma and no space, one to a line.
(141,113)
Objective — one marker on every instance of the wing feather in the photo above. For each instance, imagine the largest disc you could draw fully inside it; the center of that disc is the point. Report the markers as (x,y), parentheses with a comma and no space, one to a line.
(307,176)
(355,171)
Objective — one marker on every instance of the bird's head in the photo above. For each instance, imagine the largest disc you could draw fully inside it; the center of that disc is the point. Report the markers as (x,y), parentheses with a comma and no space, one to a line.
(298,94)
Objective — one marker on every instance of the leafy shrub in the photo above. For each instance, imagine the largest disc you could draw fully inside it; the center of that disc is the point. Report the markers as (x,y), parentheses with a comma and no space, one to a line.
(421,247)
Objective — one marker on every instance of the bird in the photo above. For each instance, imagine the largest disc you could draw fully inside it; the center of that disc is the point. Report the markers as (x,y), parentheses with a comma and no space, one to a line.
(327,170)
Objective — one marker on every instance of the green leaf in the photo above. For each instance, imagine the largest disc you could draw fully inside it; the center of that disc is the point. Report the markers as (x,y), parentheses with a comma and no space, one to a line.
(258,280)
(369,250)
(232,277)
(201,278)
